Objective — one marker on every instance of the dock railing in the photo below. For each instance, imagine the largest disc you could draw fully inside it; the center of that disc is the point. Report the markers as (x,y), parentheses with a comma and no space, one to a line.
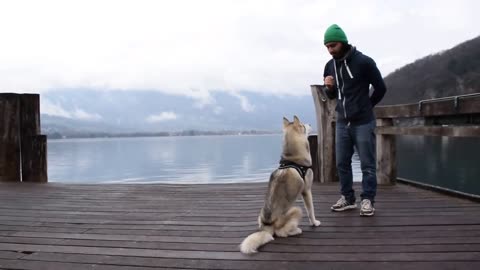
(456,116)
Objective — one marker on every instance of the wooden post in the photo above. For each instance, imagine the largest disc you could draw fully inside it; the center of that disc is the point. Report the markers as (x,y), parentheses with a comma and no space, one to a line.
(29,114)
(386,154)
(9,137)
(325,111)
(34,159)
(33,145)
(313,142)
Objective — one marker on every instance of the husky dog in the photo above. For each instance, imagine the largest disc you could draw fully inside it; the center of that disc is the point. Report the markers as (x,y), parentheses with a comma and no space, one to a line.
(294,177)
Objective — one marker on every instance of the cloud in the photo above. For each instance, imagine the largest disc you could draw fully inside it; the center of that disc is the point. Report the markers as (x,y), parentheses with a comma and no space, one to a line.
(218,110)
(47,107)
(55,109)
(181,46)
(82,115)
(164,116)
(244,103)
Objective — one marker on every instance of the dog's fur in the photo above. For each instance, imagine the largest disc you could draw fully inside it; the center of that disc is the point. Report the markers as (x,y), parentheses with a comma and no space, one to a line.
(278,216)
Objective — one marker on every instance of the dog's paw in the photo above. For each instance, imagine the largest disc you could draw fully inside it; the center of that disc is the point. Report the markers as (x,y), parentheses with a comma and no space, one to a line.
(295,231)
(281,233)
(247,251)
(315,223)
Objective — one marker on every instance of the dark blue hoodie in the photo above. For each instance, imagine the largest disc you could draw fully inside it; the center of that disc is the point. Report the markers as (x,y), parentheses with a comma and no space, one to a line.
(354,74)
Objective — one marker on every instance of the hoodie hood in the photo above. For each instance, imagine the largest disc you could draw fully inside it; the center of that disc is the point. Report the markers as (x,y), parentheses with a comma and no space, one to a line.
(352,51)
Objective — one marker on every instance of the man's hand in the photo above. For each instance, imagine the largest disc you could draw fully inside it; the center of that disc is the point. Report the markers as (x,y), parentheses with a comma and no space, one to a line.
(329,82)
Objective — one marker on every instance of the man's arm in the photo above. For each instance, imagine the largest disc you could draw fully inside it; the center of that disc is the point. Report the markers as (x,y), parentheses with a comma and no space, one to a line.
(376,80)
(329,82)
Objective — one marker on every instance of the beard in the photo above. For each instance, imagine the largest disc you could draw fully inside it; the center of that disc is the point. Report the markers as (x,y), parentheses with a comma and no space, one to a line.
(343,51)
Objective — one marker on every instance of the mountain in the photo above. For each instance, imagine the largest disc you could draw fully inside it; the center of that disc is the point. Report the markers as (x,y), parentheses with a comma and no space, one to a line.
(452,72)
(74,111)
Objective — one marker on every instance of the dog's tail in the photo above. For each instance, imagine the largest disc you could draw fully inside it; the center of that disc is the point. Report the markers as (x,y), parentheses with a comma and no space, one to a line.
(256,240)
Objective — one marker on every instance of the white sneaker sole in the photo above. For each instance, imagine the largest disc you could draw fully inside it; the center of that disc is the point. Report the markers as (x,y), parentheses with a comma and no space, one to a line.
(367,214)
(353,206)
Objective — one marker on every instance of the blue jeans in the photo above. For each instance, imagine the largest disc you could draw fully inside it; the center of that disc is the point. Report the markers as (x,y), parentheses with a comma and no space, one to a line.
(363,138)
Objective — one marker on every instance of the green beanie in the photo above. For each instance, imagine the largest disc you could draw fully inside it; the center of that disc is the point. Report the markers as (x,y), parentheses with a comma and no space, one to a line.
(334,34)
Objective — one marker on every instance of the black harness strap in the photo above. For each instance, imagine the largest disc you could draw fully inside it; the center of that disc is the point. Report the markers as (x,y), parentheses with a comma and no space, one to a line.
(302,170)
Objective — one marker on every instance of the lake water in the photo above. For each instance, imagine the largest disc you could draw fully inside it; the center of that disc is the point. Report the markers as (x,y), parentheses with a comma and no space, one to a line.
(449,162)
(195,159)
(190,159)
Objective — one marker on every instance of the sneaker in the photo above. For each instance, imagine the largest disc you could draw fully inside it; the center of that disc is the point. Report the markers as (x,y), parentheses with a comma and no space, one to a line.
(366,208)
(342,205)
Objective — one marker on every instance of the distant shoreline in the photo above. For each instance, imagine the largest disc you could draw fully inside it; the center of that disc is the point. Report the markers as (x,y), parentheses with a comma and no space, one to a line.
(93,135)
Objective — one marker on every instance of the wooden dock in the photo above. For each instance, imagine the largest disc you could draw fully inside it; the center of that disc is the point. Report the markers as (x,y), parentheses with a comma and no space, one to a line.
(58,226)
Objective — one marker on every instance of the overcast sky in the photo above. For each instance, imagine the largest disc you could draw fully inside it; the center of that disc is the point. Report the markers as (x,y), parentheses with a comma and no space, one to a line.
(193,47)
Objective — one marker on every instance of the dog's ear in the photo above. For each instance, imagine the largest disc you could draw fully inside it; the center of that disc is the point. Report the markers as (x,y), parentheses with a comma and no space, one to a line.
(296,121)
(285,122)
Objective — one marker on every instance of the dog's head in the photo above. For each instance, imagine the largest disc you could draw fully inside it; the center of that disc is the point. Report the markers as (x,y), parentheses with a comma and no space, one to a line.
(296,126)
(295,142)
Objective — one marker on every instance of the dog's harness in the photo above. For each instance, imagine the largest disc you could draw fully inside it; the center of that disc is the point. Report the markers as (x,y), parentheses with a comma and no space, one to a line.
(302,170)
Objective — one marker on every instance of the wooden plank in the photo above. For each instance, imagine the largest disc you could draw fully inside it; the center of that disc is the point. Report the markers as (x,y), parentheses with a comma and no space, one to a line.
(277,247)
(9,137)
(222,217)
(279,263)
(451,131)
(10,255)
(188,242)
(324,205)
(273,247)
(437,108)
(58,228)
(94,196)
(350,220)
(29,240)
(225,255)
(50,232)
(46,265)
(327,231)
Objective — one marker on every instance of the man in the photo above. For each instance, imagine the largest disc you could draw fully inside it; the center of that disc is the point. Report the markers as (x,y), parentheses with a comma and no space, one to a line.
(348,77)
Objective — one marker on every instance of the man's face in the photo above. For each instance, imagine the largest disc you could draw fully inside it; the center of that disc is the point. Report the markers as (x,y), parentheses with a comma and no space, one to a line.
(335,49)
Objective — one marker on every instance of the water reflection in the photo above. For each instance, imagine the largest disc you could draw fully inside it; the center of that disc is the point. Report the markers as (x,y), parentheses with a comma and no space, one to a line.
(444,161)
(202,159)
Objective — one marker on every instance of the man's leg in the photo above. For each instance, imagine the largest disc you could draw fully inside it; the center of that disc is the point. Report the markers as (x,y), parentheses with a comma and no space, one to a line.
(365,140)
(344,153)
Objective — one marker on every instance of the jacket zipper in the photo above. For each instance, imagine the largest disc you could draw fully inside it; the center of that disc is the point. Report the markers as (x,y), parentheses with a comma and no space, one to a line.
(343,85)
(336,79)
(348,69)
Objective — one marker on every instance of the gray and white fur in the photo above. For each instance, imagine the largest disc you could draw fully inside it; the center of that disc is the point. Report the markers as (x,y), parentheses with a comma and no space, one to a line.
(279,217)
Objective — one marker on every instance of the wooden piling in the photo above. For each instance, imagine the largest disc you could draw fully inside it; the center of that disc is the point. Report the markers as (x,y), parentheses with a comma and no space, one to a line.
(313,142)
(23,152)
(325,111)
(33,145)
(34,159)
(9,137)
(29,114)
